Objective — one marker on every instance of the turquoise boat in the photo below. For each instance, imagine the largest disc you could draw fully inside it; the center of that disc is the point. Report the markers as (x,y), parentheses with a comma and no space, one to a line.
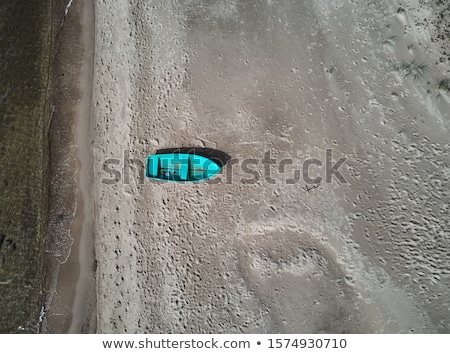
(180,167)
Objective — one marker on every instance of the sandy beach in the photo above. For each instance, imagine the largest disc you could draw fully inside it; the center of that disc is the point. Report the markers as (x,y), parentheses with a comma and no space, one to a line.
(355,242)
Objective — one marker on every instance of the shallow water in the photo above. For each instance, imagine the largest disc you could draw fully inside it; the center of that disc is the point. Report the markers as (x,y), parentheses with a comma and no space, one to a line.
(27,33)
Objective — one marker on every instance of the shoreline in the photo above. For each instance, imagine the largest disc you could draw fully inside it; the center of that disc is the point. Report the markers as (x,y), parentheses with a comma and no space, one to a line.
(69,278)
(84,304)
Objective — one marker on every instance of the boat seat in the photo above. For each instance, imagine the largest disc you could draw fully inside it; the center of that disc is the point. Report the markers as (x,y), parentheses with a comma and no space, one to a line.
(153,166)
(184,167)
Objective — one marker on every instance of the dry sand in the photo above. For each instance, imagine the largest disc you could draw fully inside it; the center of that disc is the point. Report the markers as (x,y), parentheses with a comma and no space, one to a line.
(295,78)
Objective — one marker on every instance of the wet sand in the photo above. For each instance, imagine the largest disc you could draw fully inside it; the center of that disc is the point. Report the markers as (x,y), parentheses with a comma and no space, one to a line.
(85,295)
(71,305)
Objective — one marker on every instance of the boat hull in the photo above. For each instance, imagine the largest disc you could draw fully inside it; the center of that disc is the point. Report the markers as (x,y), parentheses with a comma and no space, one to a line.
(180,168)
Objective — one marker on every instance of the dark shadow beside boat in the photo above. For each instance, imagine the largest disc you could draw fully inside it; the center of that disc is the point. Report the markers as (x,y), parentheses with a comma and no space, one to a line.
(219,157)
